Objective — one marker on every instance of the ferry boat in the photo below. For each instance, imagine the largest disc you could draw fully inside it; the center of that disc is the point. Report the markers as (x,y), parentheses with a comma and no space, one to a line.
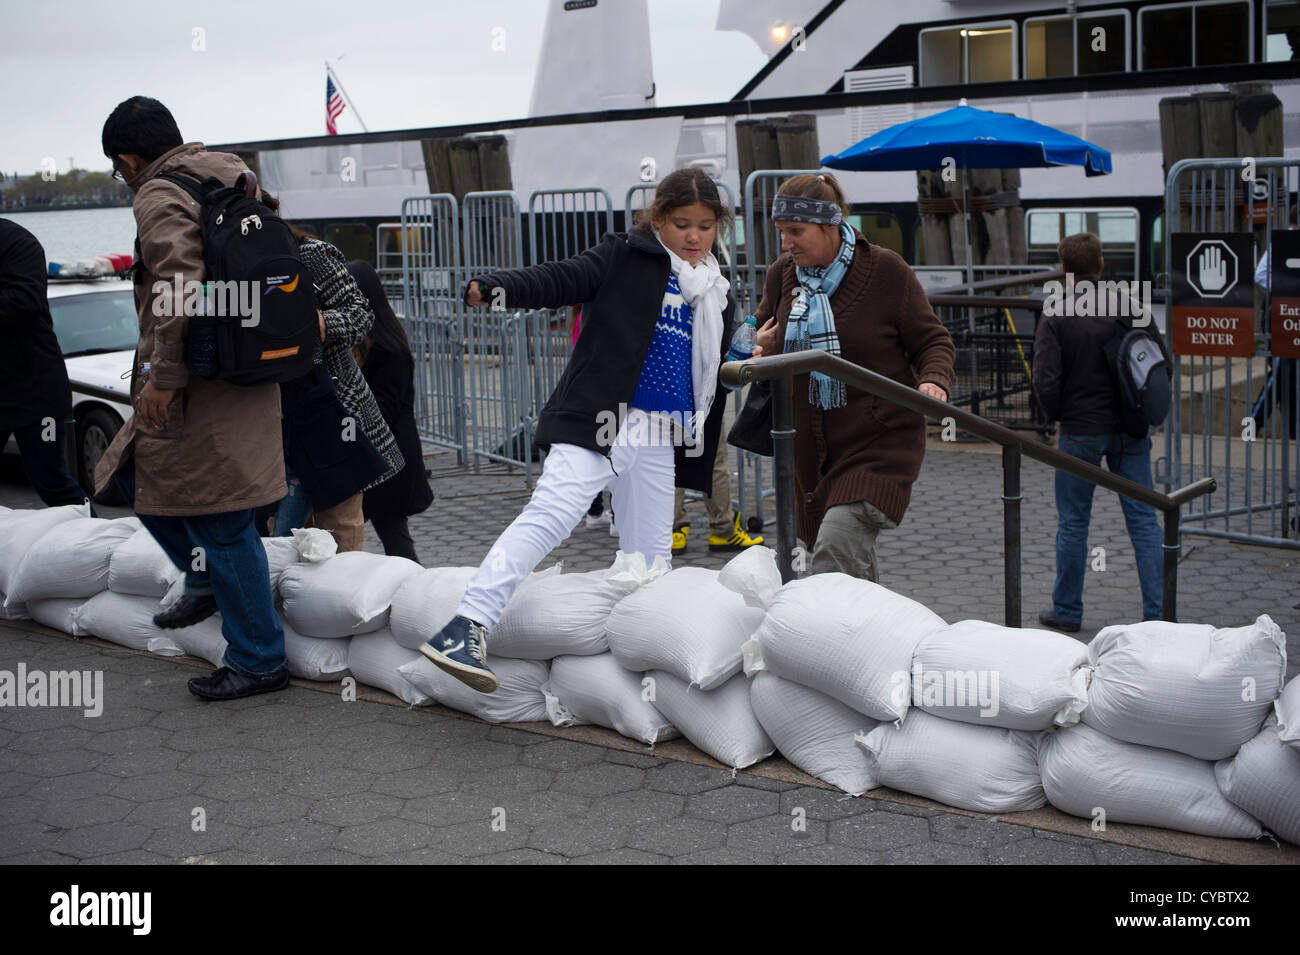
(1092,68)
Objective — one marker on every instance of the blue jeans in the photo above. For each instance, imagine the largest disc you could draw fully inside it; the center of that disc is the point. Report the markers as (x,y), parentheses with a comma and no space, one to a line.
(1127,457)
(294,511)
(235,572)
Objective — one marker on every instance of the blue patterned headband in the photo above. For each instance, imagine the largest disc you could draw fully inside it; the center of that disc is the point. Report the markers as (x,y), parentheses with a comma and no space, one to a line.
(802,209)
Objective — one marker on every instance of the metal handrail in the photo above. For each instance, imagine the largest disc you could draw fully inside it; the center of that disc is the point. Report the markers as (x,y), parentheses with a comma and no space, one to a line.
(780,369)
(95,391)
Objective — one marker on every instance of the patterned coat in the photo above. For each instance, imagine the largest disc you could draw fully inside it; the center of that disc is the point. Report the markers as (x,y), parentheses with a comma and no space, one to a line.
(348,317)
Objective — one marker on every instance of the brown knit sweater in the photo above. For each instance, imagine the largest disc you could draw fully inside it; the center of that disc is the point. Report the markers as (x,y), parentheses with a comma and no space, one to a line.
(871,449)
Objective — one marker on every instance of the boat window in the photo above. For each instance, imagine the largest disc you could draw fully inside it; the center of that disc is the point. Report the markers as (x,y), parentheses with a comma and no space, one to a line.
(1208,33)
(1101,45)
(1084,44)
(1116,226)
(1282,30)
(969,53)
(880,228)
(353,239)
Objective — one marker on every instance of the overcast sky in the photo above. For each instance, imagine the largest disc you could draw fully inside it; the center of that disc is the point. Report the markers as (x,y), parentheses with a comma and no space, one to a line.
(65,64)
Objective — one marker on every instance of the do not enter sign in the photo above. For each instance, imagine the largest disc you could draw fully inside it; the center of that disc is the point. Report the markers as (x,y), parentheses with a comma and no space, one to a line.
(1284,286)
(1213,302)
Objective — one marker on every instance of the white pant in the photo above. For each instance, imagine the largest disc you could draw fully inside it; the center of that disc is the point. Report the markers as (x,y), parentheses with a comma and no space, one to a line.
(640,474)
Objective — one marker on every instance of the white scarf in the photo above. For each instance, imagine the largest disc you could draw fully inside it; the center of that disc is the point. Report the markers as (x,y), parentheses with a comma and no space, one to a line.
(704,289)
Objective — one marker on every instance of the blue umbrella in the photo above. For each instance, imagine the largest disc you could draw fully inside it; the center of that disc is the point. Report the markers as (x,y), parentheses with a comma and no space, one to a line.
(976,139)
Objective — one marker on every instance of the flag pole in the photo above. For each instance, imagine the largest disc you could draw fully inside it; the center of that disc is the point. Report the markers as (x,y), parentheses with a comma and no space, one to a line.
(346,98)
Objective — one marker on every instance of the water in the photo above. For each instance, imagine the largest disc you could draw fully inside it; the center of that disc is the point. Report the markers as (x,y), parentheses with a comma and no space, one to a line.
(69,234)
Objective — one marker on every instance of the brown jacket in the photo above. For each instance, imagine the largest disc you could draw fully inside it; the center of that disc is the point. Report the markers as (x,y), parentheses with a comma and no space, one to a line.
(871,449)
(221,449)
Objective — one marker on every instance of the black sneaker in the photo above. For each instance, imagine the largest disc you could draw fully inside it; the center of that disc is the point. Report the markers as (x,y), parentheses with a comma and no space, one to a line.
(460,648)
(226,684)
(1049,619)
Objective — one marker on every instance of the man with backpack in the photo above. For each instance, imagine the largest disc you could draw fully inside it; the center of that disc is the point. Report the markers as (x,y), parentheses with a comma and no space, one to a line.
(198,455)
(1105,377)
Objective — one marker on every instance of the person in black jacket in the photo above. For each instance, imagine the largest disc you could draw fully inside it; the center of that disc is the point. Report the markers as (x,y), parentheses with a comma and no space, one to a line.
(638,408)
(389,369)
(35,398)
(1076,387)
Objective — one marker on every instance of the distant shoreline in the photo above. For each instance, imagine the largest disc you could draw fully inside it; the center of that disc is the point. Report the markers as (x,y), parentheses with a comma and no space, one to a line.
(5,210)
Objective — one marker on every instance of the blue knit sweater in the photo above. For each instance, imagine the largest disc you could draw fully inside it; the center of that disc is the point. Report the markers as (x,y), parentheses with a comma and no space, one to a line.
(665,382)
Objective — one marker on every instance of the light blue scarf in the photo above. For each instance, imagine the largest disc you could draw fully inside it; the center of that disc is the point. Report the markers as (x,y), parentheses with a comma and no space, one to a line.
(812,323)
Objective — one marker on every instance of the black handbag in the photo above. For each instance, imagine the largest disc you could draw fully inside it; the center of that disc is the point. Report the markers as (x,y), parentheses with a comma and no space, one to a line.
(752,429)
(328,453)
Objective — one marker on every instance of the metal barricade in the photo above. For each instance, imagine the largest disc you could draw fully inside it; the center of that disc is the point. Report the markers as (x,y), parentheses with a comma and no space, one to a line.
(1235,418)
(496,340)
(433,314)
(562,223)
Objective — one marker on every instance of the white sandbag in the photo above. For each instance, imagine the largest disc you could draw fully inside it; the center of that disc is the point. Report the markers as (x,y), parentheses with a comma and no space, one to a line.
(314,544)
(21,528)
(814,731)
(1192,688)
(846,637)
(202,640)
(596,689)
(720,722)
(280,553)
(1264,780)
(58,613)
(562,614)
(309,658)
(980,768)
(125,619)
(754,575)
(70,560)
(345,595)
(140,566)
(686,623)
(519,698)
(1086,773)
(426,602)
(1287,710)
(16,612)
(981,673)
(374,659)
(316,658)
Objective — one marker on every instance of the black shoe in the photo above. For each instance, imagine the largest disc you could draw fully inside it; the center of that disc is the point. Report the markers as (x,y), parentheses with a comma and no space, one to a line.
(187,611)
(226,684)
(1049,619)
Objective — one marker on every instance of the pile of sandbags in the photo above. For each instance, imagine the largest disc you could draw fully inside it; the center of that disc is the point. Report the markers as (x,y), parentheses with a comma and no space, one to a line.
(1165,702)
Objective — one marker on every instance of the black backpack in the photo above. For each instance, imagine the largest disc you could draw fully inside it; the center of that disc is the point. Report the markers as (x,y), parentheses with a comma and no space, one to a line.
(258,323)
(1142,376)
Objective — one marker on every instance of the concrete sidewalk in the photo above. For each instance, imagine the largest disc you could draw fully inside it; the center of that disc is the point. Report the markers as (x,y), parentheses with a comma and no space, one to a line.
(303,776)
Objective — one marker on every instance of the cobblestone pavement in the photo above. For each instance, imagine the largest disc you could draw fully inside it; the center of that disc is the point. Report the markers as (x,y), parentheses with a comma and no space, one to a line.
(301,776)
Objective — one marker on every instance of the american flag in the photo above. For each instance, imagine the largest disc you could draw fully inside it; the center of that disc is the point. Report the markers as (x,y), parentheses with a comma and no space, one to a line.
(333,106)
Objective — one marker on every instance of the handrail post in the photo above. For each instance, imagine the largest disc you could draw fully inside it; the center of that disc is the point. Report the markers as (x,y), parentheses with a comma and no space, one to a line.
(1169,591)
(783,466)
(1011,497)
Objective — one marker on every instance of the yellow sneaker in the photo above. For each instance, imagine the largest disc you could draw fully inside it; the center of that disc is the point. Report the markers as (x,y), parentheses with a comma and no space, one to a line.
(679,537)
(738,540)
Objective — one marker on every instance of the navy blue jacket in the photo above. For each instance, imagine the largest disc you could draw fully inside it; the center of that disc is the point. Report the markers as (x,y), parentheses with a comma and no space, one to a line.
(620,284)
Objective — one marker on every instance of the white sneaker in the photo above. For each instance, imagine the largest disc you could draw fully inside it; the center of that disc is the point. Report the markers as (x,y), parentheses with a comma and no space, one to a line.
(613,531)
(598,521)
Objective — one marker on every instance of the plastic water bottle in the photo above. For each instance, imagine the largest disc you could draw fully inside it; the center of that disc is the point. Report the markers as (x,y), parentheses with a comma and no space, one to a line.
(744,341)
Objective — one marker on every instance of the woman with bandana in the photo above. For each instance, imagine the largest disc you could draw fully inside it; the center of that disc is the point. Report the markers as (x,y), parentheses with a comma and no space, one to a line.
(856,455)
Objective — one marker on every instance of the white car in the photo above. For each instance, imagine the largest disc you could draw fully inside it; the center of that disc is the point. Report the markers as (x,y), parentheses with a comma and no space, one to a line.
(97,327)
